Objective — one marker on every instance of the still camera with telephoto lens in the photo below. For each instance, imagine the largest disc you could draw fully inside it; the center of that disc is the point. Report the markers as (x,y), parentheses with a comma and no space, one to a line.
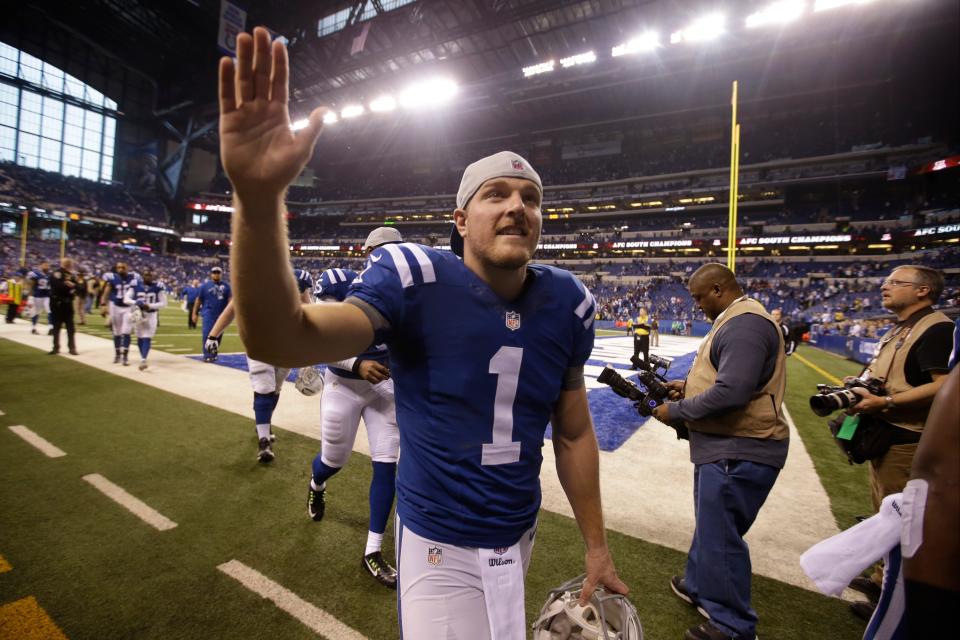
(831,398)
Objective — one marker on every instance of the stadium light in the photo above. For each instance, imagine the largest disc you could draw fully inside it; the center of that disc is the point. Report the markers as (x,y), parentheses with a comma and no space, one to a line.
(429,93)
(647,41)
(383,103)
(537,69)
(777,13)
(709,27)
(352,111)
(330,117)
(299,124)
(580,58)
(826,5)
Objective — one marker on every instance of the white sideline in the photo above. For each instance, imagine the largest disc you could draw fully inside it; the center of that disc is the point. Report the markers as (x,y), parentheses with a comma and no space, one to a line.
(48,449)
(2,413)
(316,619)
(132,504)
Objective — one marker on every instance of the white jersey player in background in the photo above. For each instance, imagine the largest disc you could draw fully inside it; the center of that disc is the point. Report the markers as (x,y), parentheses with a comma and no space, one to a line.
(354,388)
(265,379)
(484,353)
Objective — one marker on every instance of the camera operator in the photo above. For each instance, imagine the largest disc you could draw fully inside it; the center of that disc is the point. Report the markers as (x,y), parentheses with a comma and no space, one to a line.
(731,404)
(912,361)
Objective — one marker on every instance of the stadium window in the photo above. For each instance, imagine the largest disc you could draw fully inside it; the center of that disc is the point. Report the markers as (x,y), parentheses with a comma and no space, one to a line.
(106,169)
(52,78)
(30,68)
(333,23)
(30,122)
(8,59)
(43,131)
(90,168)
(8,114)
(8,143)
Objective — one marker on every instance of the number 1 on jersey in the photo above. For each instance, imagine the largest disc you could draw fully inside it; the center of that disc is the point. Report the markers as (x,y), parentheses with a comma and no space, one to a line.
(503,450)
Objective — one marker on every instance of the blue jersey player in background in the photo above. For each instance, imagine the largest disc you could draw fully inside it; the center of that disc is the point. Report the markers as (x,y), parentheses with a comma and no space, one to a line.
(484,351)
(149,296)
(211,300)
(39,298)
(356,388)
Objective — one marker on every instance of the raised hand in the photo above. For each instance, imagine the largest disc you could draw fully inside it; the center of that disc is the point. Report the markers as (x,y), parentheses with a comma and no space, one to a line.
(260,153)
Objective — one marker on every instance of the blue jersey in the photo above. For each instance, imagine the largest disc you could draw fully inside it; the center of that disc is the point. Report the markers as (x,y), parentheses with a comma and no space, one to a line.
(119,285)
(190,293)
(150,296)
(304,280)
(476,379)
(40,283)
(213,297)
(334,284)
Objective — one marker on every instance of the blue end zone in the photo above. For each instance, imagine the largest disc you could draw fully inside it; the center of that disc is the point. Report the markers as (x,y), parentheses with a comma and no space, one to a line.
(614,418)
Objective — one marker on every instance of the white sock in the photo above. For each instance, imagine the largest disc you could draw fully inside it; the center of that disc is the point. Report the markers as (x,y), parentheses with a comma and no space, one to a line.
(313,485)
(374,542)
(263,431)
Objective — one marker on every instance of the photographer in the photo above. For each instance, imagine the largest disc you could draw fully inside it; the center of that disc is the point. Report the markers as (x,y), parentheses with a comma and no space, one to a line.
(739,439)
(911,360)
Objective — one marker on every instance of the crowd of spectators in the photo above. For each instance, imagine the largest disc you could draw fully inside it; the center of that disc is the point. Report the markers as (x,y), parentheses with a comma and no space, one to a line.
(51,190)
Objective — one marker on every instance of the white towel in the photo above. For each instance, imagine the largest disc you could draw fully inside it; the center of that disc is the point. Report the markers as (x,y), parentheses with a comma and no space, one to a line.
(834,562)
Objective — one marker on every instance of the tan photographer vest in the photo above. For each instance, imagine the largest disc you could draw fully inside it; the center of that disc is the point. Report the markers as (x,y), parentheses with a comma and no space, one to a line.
(762,417)
(890,365)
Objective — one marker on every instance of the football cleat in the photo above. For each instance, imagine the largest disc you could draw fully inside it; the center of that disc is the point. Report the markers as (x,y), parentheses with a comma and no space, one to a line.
(34,332)
(143,364)
(116,358)
(264,452)
(126,360)
(380,569)
(316,503)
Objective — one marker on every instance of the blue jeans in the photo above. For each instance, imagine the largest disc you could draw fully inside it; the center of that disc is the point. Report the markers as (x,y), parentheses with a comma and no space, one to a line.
(727,496)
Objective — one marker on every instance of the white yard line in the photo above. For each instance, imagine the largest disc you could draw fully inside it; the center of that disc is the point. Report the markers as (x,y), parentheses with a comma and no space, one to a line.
(2,413)
(132,504)
(48,449)
(316,619)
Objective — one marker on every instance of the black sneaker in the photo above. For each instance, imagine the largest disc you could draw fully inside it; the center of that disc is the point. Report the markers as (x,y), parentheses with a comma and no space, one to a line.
(265,453)
(679,587)
(867,587)
(116,358)
(52,352)
(863,610)
(316,503)
(707,631)
(126,360)
(381,571)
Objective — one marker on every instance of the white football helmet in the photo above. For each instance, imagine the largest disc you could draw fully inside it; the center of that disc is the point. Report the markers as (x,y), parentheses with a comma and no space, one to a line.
(309,381)
(607,616)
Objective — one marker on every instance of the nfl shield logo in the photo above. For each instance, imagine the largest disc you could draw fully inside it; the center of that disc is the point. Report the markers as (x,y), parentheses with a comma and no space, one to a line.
(434,555)
(500,550)
(517,165)
(513,320)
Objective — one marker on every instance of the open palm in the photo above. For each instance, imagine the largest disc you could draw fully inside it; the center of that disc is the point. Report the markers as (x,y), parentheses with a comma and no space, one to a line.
(260,153)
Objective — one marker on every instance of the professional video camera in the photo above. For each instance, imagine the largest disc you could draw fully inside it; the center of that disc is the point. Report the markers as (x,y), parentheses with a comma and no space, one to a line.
(831,398)
(654,390)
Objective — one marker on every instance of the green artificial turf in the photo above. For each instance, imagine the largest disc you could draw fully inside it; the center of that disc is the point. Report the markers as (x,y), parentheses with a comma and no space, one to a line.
(848,486)
(102,573)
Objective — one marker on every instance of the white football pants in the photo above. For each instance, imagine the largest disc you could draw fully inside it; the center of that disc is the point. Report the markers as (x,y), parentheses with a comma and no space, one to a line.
(345,401)
(265,378)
